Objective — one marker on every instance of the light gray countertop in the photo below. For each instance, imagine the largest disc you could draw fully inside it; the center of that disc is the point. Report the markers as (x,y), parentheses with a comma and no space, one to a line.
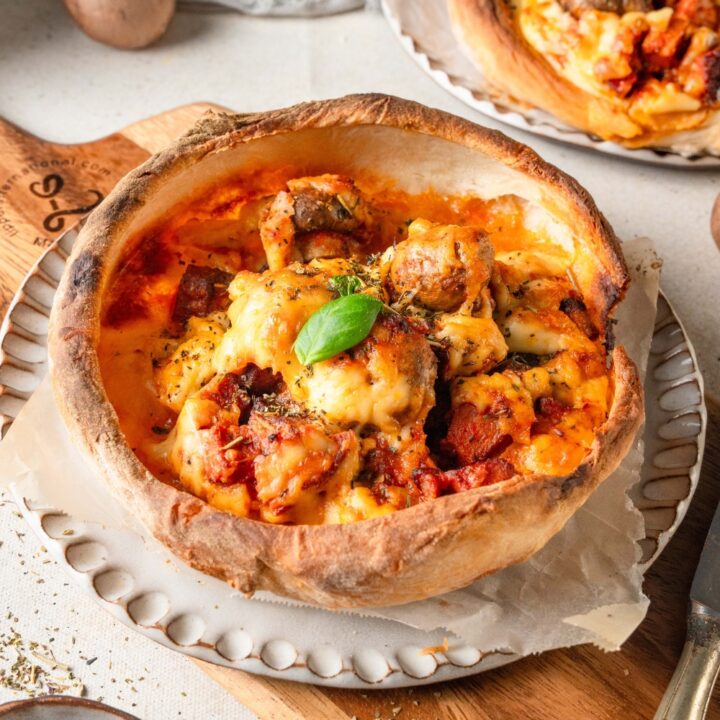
(60,85)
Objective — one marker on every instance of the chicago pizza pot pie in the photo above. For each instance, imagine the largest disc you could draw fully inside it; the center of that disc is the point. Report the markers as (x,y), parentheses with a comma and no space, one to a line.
(356,352)
(638,72)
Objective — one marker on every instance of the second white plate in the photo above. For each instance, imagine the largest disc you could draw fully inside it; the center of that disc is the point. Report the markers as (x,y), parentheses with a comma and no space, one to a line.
(423,29)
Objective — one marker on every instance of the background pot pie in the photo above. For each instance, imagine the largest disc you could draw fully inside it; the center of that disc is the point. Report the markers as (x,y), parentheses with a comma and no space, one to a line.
(356,352)
(638,72)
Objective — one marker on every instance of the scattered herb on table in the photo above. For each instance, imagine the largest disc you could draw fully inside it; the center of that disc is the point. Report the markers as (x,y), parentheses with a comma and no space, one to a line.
(47,676)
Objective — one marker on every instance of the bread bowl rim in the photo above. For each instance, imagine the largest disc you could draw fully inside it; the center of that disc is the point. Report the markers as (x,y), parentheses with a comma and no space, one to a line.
(322,564)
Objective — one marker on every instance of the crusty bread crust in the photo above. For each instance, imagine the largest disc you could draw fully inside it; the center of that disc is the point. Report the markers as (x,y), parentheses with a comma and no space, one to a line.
(493,39)
(422,551)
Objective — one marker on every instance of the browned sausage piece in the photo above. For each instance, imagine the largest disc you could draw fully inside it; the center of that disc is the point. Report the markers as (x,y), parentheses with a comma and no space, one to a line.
(614,6)
(318,210)
(201,291)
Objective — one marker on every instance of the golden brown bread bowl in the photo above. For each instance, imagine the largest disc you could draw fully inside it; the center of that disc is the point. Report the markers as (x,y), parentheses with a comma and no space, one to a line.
(476,411)
(638,73)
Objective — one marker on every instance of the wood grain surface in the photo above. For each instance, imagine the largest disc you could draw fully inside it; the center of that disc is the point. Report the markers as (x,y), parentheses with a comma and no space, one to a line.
(46,187)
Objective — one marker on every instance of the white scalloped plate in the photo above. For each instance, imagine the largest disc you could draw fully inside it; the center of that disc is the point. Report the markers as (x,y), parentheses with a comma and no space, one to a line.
(155,594)
(423,29)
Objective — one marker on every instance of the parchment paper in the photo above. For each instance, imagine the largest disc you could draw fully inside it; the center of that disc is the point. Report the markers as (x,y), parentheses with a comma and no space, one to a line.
(583,586)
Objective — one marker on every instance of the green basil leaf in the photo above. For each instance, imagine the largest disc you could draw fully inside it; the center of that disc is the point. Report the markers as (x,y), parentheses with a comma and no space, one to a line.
(346,284)
(336,327)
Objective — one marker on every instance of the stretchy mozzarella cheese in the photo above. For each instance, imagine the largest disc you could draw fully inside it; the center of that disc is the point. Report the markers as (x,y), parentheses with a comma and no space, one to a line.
(483,360)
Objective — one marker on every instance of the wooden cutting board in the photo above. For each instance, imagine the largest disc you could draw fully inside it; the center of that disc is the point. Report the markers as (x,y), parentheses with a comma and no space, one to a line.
(46,187)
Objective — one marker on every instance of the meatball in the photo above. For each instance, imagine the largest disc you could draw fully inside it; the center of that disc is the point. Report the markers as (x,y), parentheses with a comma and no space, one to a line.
(201,291)
(441,266)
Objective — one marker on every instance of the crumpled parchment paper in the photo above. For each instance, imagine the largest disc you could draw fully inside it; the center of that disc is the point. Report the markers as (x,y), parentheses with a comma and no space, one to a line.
(583,586)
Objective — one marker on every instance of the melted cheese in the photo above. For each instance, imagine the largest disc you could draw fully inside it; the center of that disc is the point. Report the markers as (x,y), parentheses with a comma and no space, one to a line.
(543,332)
(475,344)
(547,455)
(314,466)
(356,394)
(358,504)
(184,447)
(190,366)
(501,395)
(527,264)
(309,474)
(269,310)
(658,105)
(572,385)
(266,315)
(562,449)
